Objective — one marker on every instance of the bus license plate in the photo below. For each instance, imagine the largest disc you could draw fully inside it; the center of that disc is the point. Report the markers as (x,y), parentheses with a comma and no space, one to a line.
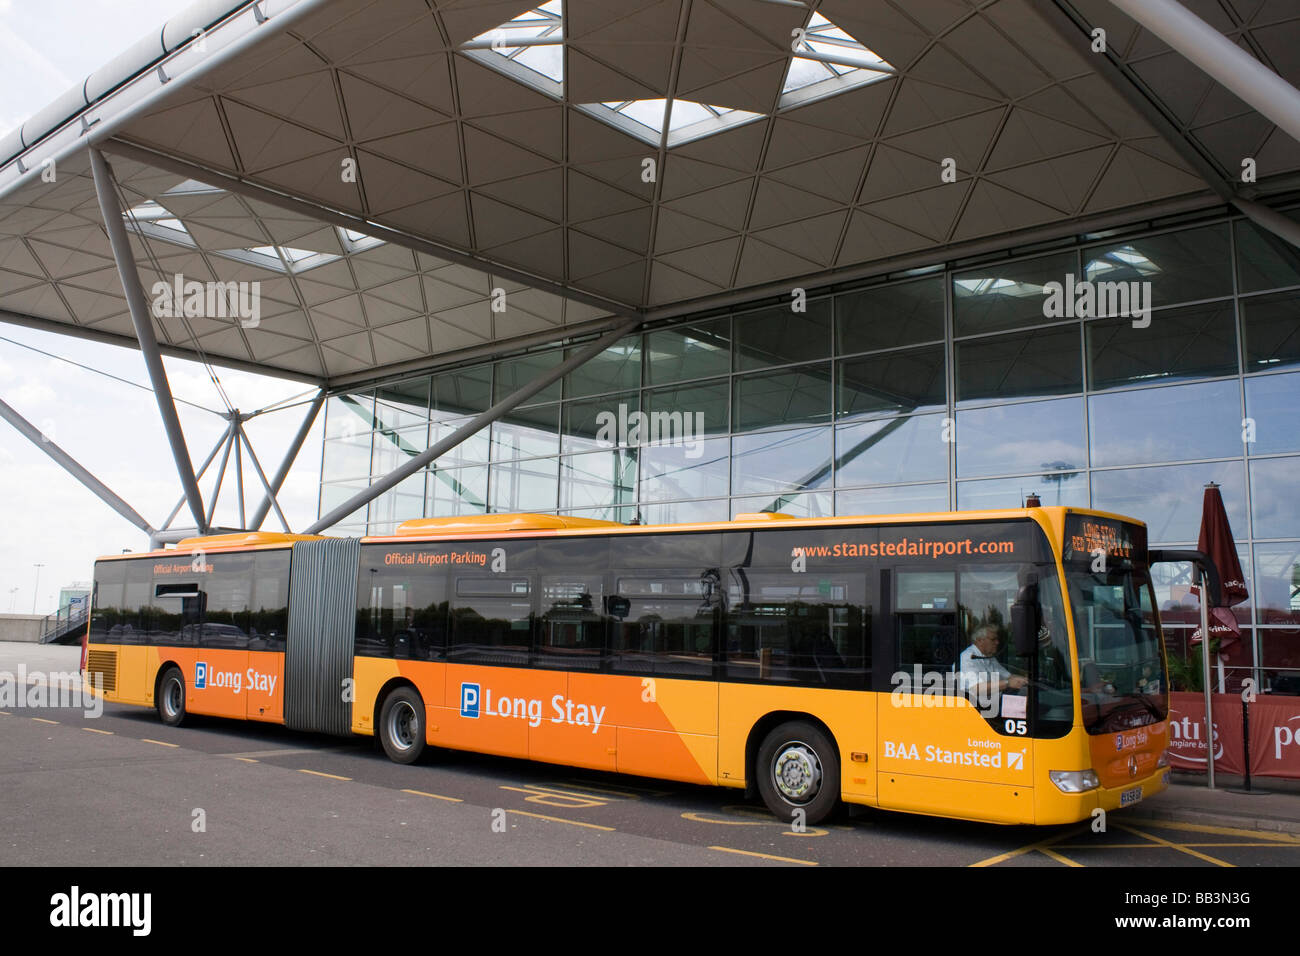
(1130,796)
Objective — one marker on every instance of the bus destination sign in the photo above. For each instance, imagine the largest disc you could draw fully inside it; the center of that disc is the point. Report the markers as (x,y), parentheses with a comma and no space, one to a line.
(1088,536)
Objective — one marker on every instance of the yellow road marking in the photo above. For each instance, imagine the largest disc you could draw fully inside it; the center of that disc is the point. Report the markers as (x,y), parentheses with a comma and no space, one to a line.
(6,713)
(1218,831)
(1059,858)
(535,787)
(160,743)
(1155,846)
(1179,847)
(764,856)
(436,796)
(246,759)
(1012,854)
(95,730)
(317,773)
(44,721)
(575,823)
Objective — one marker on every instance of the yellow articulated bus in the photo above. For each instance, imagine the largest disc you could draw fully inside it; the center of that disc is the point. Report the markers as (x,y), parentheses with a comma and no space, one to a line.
(1004,666)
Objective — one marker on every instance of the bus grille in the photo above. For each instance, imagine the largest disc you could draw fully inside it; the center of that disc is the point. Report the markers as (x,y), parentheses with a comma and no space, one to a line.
(102,665)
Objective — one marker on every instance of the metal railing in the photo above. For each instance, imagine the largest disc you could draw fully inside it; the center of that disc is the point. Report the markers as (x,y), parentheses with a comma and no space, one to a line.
(62,621)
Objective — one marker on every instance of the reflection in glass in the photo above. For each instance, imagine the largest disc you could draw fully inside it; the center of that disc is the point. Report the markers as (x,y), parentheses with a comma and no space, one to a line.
(598,478)
(457,491)
(788,397)
(1053,487)
(901,499)
(618,368)
(514,373)
(1179,605)
(524,485)
(680,471)
(686,512)
(346,458)
(401,503)
(472,451)
(1038,362)
(1273,404)
(892,382)
(1277,583)
(1011,439)
(1265,261)
(463,392)
(1168,499)
(526,432)
(1006,295)
(336,493)
(601,423)
(780,336)
(1273,497)
(1270,331)
(801,505)
(403,404)
(395,448)
(1195,342)
(1154,424)
(776,462)
(706,403)
(886,452)
(346,416)
(698,350)
(904,313)
(1181,266)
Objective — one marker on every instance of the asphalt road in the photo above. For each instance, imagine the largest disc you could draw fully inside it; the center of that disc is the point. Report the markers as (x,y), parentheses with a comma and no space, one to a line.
(125,790)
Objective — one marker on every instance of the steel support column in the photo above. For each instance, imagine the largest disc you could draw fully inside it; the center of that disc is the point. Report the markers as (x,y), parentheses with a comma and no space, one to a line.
(261,476)
(1221,58)
(73,467)
(440,448)
(142,320)
(290,457)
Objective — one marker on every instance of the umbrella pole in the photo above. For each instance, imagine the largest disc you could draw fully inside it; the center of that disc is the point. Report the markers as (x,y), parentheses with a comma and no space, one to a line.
(1205,678)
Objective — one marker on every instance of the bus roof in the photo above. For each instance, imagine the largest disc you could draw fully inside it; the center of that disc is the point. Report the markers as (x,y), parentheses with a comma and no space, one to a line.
(1051,517)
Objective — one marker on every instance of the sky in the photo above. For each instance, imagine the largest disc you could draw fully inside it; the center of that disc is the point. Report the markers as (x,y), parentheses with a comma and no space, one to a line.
(112,427)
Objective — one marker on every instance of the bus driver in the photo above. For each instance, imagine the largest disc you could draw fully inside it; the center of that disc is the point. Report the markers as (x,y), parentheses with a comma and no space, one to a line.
(980,665)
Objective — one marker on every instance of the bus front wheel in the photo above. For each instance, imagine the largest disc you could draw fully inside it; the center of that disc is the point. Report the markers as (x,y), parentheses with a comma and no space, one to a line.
(798,772)
(171,697)
(401,725)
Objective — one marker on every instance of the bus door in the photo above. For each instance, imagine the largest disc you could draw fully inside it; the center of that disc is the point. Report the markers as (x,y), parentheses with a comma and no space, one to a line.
(268,625)
(953,718)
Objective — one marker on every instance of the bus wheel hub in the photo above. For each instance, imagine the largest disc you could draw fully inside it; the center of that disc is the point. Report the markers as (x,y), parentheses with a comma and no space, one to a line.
(797,772)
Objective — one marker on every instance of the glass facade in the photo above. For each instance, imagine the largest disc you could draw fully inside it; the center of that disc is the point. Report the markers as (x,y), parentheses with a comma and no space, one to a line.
(951,388)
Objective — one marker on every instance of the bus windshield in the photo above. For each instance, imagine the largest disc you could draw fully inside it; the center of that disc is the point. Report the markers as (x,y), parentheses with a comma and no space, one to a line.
(1122,677)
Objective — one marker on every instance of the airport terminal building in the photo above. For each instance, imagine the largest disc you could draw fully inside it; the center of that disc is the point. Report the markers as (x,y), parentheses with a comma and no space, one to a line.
(681,260)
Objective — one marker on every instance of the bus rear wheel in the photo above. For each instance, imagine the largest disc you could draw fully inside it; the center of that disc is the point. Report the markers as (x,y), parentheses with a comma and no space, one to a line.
(171,697)
(401,725)
(798,770)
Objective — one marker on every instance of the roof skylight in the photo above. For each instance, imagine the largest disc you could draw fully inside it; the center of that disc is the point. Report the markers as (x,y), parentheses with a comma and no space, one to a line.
(657,121)
(530,47)
(825,60)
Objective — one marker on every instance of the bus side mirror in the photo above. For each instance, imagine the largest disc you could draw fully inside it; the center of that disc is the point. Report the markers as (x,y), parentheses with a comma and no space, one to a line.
(1025,621)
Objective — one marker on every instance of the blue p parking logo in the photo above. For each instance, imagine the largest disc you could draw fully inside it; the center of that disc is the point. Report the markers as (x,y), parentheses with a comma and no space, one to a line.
(469,700)
(200,675)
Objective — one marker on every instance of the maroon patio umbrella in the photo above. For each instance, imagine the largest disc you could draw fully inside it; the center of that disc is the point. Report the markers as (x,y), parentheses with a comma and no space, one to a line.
(1216,541)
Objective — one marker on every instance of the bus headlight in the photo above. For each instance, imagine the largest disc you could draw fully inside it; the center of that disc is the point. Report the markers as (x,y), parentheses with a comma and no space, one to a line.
(1163,759)
(1074,781)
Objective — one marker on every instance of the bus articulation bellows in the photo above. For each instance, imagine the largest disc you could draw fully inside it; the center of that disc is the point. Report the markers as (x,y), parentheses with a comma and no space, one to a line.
(1004,666)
